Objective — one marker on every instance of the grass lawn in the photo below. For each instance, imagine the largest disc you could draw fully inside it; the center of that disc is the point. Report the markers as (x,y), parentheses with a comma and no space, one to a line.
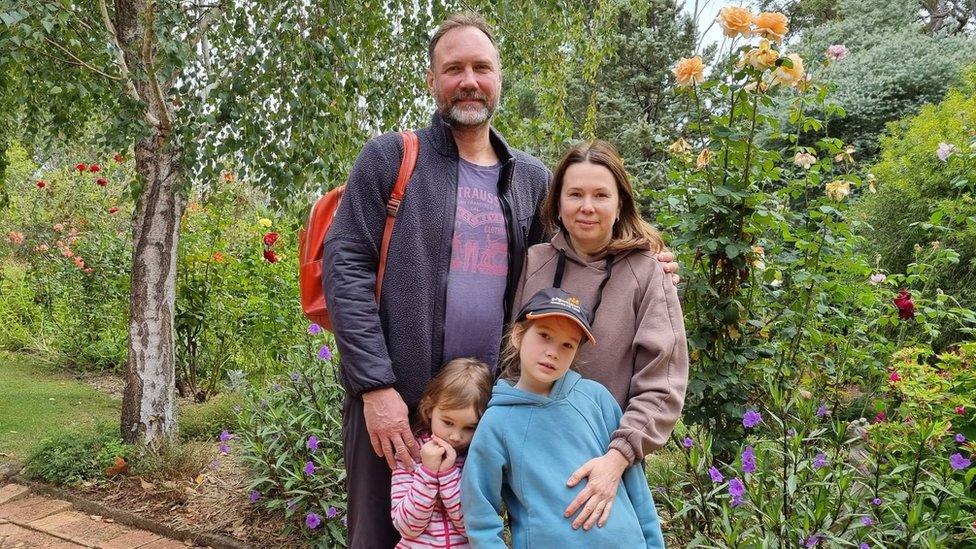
(37,401)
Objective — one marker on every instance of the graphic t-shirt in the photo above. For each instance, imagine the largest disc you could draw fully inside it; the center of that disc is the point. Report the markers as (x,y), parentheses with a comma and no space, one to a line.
(475,306)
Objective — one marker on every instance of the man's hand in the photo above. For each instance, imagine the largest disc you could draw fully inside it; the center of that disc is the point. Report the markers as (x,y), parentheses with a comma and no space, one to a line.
(389,427)
(432,455)
(670,266)
(602,476)
(450,454)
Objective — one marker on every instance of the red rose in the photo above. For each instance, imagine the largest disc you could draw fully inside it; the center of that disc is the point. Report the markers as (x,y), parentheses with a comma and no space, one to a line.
(271,256)
(906,307)
(102,181)
(41,184)
(81,167)
(94,168)
(118,158)
(270,239)
(112,210)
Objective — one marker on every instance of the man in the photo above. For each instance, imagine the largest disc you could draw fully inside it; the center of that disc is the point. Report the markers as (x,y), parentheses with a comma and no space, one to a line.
(467,218)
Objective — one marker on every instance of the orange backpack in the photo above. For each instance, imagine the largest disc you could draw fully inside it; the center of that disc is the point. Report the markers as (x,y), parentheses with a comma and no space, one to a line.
(312,237)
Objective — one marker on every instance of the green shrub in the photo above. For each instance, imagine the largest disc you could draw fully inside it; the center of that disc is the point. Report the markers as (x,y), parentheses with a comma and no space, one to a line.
(74,457)
(174,460)
(206,420)
(276,439)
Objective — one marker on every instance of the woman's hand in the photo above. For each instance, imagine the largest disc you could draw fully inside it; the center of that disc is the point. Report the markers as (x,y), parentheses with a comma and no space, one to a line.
(431,455)
(602,476)
(450,454)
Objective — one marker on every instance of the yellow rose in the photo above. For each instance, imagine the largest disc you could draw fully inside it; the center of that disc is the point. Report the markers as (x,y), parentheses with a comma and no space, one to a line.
(838,190)
(772,24)
(264,222)
(871,179)
(760,58)
(847,155)
(751,87)
(689,71)
(704,158)
(735,21)
(679,147)
(789,76)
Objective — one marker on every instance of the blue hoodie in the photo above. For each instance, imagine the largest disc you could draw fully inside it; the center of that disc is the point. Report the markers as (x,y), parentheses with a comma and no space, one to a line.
(524,450)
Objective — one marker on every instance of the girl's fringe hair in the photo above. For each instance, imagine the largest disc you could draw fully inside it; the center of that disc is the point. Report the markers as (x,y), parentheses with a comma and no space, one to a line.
(461,383)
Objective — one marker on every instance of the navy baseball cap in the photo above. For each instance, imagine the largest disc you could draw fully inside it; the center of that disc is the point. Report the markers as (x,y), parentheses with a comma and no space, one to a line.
(557,302)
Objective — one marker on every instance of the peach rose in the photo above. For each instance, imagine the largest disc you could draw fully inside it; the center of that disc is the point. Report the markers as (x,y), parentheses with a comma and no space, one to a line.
(735,21)
(804,160)
(679,147)
(772,24)
(689,71)
(760,58)
(789,76)
(704,159)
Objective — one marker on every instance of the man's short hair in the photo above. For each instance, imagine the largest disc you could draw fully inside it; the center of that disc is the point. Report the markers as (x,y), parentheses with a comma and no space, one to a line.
(458,20)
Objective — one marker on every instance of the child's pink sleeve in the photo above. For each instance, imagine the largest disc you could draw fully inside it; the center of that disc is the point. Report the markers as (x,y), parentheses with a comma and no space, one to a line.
(450,490)
(412,496)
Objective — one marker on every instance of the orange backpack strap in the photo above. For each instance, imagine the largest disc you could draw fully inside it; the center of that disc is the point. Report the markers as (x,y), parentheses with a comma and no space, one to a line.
(411,148)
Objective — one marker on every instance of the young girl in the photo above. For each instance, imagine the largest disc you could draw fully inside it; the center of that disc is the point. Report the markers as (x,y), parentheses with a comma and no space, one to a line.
(535,434)
(426,502)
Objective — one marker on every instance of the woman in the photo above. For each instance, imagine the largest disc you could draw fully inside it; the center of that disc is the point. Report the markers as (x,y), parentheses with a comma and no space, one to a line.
(603,251)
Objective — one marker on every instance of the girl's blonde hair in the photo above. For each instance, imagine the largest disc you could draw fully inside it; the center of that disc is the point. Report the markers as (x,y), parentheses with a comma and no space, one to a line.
(509,364)
(461,383)
(630,231)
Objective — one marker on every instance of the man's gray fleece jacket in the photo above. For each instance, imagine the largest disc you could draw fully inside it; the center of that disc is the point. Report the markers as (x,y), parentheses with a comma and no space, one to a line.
(399,343)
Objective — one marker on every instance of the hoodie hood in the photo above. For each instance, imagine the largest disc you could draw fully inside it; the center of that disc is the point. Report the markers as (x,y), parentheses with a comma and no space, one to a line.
(506,394)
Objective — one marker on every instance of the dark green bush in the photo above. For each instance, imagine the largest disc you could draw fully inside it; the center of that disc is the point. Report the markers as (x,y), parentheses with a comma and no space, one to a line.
(206,420)
(74,457)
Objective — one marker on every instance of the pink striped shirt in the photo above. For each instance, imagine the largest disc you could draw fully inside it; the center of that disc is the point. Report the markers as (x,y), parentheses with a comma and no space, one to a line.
(426,507)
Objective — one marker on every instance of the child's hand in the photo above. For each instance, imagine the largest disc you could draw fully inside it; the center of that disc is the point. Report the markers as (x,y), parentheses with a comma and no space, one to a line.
(431,455)
(450,454)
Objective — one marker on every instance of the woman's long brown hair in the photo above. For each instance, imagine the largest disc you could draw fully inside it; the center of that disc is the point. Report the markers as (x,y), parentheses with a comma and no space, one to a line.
(630,231)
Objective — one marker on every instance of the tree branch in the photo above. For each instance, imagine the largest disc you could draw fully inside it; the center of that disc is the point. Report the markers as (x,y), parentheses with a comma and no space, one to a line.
(147,38)
(78,61)
(130,86)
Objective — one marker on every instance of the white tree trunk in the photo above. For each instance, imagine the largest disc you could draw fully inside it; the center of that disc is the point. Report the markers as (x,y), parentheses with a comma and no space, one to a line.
(148,404)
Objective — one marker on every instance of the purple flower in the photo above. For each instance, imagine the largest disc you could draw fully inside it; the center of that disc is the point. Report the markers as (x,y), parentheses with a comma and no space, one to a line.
(876,502)
(313,443)
(813,540)
(820,460)
(309,468)
(837,52)
(737,489)
(215,464)
(748,460)
(661,490)
(960,438)
(314,329)
(290,505)
(687,442)
(751,419)
(867,520)
(224,448)
(225,436)
(312,520)
(325,353)
(791,432)
(822,410)
(715,474)
(332,512)
(864,545)
(958,462)
(295,376)
(345,521)
(254,496)
(944,151)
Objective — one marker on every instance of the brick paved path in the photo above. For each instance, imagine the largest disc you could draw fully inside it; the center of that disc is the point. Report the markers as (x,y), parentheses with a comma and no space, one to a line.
(31,520)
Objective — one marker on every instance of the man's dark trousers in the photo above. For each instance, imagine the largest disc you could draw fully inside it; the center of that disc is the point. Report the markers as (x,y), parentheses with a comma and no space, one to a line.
(367,483)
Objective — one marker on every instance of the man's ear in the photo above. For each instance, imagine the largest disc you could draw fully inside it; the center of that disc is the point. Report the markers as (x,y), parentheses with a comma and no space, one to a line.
(430,81)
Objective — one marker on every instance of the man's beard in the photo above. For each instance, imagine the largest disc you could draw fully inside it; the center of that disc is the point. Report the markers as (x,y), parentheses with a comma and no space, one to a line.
(457,116)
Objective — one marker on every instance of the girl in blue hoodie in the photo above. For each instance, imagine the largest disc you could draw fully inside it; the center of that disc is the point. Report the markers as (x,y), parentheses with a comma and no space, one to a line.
(542,421)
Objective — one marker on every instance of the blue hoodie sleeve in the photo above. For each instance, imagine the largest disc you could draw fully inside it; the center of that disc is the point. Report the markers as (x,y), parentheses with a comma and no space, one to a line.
(481,487)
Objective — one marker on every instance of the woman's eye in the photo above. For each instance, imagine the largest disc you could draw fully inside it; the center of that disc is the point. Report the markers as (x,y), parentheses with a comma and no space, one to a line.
(449,424)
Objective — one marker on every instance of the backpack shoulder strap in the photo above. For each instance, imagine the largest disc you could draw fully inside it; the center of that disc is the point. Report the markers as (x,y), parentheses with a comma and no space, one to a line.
(411,148)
